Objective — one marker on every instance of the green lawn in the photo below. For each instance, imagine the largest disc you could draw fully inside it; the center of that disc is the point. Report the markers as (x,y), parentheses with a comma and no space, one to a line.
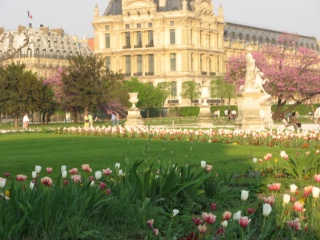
(19,153)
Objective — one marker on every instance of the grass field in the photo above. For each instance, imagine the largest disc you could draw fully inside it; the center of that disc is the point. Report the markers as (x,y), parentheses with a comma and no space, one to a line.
(19,153)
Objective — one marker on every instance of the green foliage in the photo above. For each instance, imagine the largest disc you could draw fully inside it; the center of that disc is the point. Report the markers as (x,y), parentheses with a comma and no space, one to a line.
(190,90)
(303,109)
(189,111)
(221,89)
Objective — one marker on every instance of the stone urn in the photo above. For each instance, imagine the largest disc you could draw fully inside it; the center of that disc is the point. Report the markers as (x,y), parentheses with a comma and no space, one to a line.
(134,117)
(133,100)
(204,117)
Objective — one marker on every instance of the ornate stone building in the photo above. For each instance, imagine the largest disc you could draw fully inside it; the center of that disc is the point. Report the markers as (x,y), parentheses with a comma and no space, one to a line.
(46,49)
(162,41)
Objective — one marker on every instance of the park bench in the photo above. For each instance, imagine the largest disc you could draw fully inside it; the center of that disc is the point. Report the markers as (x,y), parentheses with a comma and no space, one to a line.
(288,124)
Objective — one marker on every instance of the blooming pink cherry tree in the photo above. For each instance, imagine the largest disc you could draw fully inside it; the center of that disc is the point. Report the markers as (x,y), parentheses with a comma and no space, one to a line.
(293,72)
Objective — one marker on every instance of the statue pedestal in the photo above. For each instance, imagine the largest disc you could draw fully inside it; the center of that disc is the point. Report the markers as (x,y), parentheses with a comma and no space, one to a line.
(249,111)
(266,114)
(204,117)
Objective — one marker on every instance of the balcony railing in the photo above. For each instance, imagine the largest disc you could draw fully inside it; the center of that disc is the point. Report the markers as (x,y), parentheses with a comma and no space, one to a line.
(149,73)
(212,73)
(150,45)
(138,46)
(203,73)
(137,74)
(127,74)
(126,47)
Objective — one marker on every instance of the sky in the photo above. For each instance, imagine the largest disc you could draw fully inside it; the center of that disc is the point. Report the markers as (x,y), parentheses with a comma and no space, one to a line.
(76,16)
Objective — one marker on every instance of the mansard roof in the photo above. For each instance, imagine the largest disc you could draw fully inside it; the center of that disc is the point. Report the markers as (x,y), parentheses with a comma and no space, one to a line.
(115,6)
(234,32)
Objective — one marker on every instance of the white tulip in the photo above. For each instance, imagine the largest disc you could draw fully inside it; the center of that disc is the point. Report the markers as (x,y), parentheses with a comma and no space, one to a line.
(64,174)
(31,185)
(236,216)
(283,154)
(2,182)
(117,165)
(175,212)
(38,169)
(63,168)
(293,188)
(286,198)
(34,174)
(98,175)
(254,160)
(225,223)
(266,209)
(92,184)
(315,192)
(120,172)
(244,195)
(203,164)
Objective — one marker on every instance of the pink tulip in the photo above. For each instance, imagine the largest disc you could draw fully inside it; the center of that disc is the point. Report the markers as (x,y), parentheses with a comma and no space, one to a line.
(213,206)
(46,181)
(150,223)
(209,217)
(208,168)
(65,181)
(202,228)
(21,177)
(102,185)
(76,178)
(86,168)
(107,171)
(91,178)
(294,224)
(6,174)
(298,206)
(269,200)
(274,186)
(155,231)
(251,210)
(108,191)
(197,221)
(317,177)
(73,171)
(307,191)
(226,215)
(49,170)
(244,221)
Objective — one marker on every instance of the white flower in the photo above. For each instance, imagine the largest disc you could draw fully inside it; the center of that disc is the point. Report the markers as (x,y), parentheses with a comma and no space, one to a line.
(254,160)
(225,223)
(244,195)
(266,209)
(293,188)
(64,174)
(203,164)
(283,154)
(315,192)
(34,174)
(31,185)
(120,172)
(175,212)
(98,175)
(236,216)
(63,168)
(117,165)
(92,184)
(2,182)
(286,198)
(38,169)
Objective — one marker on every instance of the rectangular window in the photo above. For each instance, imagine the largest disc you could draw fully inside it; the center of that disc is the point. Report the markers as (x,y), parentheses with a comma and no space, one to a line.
(108,63)
(127,39)
(150,37)
(151,63)
(128,65)
(172,61)
(150,24)
(172,36)
(139,64)
(171,23)
(127,26)
(107,40)
(139,38)
(138,25)
(191,36)
(107,27)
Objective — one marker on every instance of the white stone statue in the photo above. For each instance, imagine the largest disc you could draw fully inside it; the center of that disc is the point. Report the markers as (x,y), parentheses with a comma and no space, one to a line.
(259,82)
(250,72)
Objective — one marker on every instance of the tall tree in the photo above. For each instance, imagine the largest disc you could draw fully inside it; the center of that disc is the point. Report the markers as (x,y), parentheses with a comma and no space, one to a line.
(221,89)
(291,72)
(21,91)
(190,90)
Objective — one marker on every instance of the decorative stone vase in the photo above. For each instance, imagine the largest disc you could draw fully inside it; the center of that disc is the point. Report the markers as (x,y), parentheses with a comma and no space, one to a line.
(133,99)
(134,116)
(204,117)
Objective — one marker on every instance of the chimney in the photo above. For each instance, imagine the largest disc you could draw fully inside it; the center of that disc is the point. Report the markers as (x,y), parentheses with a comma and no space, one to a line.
(59,31)
(1,30)
(21,28)
(162,3)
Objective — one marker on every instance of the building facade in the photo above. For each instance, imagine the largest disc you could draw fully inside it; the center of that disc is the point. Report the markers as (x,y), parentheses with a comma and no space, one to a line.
(175,41)
(162,41)
(45,49)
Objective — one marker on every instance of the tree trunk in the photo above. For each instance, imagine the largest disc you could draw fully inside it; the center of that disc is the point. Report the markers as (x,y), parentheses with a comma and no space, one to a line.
(48,118)
(43,118)
(0,117)
(16,121)
(74,116)
(278,112)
